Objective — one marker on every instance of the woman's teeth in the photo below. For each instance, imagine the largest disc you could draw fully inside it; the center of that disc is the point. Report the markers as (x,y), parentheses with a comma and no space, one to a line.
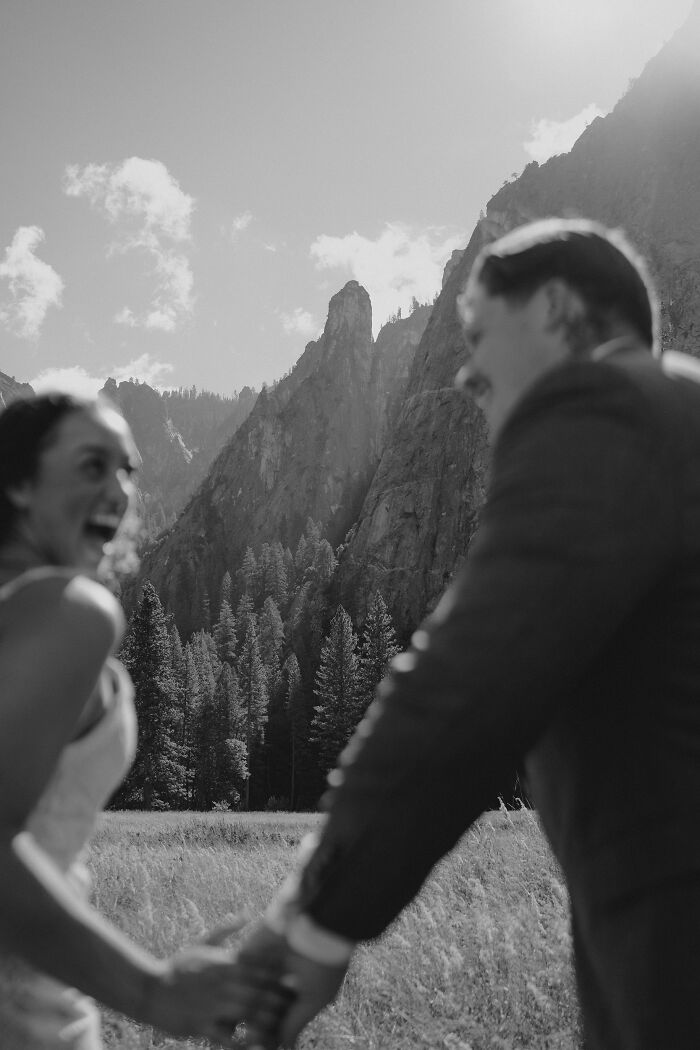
(103,526)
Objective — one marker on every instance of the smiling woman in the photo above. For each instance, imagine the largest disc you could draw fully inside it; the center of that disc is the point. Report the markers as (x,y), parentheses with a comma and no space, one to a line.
(67,737)
(65,477)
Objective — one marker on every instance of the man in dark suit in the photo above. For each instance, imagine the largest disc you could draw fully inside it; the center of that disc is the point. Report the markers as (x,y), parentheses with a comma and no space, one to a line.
(570,641)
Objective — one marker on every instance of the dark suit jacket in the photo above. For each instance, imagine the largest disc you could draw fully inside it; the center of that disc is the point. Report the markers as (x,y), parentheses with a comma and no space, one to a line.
(571,639)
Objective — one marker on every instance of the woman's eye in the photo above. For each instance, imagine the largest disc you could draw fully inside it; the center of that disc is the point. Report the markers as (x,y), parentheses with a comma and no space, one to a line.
(93,468)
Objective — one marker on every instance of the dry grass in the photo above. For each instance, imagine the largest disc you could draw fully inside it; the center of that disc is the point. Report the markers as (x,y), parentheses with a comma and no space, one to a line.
(481,961)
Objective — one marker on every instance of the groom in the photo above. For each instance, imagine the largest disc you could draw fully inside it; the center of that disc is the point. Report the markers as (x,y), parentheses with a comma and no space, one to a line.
(570,641)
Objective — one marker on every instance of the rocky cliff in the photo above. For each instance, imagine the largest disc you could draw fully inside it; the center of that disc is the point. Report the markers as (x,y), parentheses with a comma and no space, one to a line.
(639,169)
(10,388)
(166,460)
(178,434)
(308,449)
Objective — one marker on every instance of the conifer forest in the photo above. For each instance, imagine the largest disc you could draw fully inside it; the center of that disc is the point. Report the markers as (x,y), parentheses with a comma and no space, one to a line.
(252,710)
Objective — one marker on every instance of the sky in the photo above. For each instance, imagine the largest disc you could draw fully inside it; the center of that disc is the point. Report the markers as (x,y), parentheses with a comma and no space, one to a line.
(186,183)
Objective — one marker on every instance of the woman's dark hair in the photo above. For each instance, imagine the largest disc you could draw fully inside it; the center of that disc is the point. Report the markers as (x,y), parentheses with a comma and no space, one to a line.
(26,428)
(598,263)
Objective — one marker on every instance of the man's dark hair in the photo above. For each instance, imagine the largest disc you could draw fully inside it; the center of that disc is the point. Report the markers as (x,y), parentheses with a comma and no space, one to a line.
(598,263)
(27,426)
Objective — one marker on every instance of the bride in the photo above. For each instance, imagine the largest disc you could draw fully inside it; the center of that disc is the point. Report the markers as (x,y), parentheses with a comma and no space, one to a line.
(67,737)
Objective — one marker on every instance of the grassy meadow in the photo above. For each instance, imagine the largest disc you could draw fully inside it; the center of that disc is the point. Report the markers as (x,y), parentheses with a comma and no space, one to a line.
(480,961)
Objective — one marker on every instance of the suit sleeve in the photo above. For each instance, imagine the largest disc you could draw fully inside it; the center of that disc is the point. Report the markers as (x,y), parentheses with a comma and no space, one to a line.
(579,525)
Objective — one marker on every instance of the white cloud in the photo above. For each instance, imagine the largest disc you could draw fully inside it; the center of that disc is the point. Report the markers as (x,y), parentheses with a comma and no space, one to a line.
(77,380)
(152,214)
(144,368)
(551,137)
(74,380)
(174,298)
(300,322)
(241,222)
(125,316)
(142,189)
(34,284)
(398,265)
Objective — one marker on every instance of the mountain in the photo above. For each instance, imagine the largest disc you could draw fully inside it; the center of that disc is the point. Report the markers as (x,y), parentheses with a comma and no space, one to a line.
(10,388)
(637,168)
(308,449)
(206,421)
(383,452)
(178,433)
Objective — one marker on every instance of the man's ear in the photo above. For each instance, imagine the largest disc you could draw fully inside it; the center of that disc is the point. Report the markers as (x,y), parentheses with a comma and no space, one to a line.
(19,495)
(563,305)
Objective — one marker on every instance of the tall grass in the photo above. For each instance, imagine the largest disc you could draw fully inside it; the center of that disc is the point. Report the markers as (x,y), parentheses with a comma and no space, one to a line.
(480,961)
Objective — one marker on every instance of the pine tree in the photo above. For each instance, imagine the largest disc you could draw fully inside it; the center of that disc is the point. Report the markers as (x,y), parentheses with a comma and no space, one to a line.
(158,778)
(307,547)
(223,753)
(206,658)
(209,642)
(324,563)
(336,690)
(244,616)
(289,569)
(225,634)
(249,575)
(301,557)
(177,652)
(204,736)
(190,716)
(179,667)
(270,637)
(273,573)
(253,695)
(294,695)
(177,656)
(225,593)
(378,645)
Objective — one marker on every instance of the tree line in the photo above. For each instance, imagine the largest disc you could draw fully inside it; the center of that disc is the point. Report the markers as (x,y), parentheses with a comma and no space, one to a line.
(252,710)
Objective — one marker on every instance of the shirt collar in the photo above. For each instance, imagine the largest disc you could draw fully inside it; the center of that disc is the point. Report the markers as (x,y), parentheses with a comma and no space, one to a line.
(611,346)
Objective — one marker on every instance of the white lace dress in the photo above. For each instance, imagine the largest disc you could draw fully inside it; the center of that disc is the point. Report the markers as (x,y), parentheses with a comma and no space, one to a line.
(37,1012)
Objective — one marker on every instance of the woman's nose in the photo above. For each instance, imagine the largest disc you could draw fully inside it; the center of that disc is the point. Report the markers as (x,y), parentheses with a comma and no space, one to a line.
(121,487)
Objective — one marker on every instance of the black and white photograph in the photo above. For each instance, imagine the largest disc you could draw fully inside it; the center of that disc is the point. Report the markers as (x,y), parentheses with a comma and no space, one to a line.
(350,524)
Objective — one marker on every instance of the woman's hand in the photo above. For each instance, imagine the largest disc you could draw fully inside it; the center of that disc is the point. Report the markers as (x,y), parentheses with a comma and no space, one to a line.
(205,991)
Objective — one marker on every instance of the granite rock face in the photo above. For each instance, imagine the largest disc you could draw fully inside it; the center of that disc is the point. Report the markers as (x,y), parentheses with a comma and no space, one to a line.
(164,473)
(308,449)
(422,505)
(178,434)
(11,388)
(638,169)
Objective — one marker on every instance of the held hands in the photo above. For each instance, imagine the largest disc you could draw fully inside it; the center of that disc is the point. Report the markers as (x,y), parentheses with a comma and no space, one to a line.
(206,991)
(310,987)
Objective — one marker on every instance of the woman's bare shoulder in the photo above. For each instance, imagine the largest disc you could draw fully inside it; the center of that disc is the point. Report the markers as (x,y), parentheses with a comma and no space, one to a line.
(58,596)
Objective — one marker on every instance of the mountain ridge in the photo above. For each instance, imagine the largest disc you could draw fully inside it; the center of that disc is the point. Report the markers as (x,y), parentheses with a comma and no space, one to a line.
(635,168)
(308,450)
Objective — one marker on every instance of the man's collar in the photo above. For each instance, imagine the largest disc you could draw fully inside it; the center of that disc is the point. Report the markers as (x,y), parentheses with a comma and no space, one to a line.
(612,346)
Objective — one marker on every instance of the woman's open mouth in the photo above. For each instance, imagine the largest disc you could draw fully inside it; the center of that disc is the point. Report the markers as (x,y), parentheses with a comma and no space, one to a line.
(102,527)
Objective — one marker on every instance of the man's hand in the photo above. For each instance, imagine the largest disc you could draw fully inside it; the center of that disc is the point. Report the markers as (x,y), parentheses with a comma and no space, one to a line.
(316,985)
(310,985)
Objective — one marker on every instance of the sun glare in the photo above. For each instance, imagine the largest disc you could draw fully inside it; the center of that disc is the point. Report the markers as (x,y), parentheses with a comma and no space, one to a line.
(556,23)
